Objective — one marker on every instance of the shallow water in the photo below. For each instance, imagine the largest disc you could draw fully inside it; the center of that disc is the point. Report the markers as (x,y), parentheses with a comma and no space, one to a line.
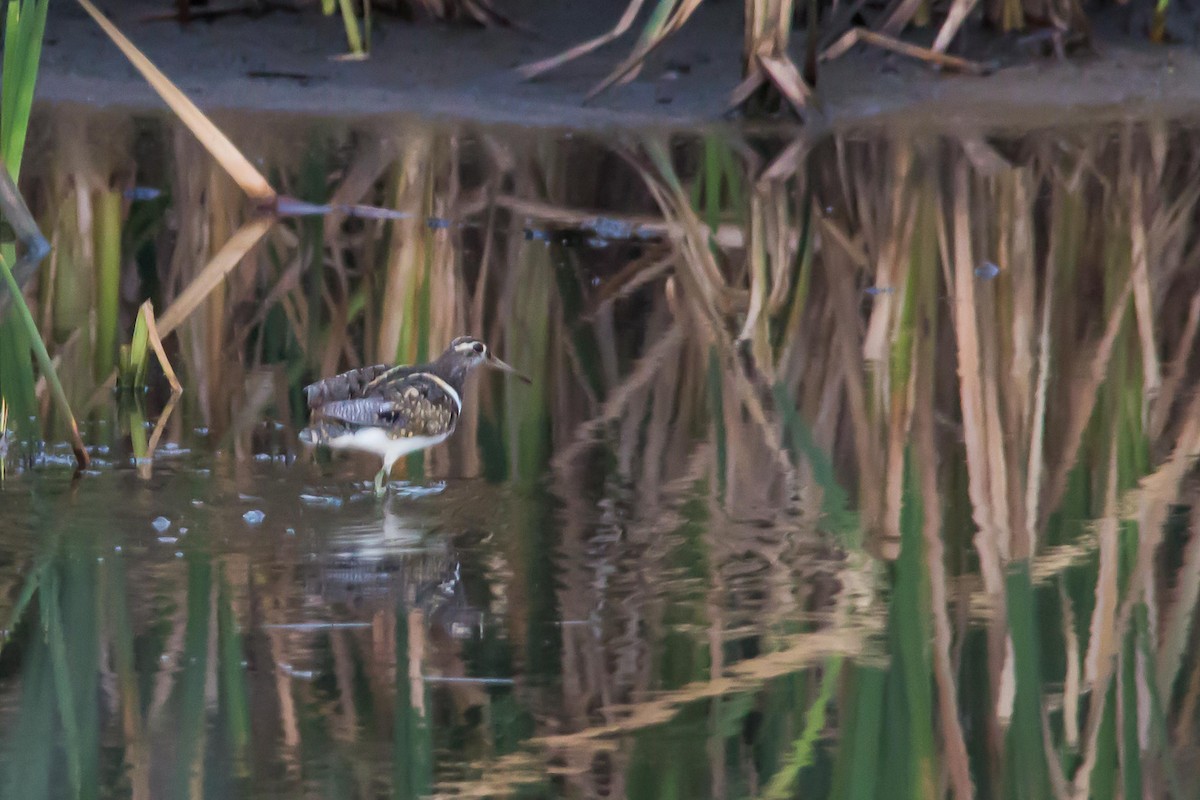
(853,467)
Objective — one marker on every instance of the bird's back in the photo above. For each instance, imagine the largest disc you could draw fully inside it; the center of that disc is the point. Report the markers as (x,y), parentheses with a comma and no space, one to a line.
(352,385)
(400,402)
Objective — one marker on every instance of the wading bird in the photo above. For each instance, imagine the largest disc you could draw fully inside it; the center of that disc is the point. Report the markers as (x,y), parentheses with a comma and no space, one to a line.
(394,411)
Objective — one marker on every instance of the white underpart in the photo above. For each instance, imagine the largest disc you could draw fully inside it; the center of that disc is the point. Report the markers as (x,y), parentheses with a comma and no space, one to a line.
(376,440)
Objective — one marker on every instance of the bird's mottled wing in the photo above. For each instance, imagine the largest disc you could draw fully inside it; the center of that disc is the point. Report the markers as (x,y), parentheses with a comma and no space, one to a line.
(420,404)
(417,405)
(351,385)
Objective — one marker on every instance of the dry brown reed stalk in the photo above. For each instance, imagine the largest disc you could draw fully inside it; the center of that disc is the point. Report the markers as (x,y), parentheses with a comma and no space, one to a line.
(529,71)
(799,651)
(766,64)
(235,164)
(1114,610)
(86,168)
(923,380)
(697,269)
(1178,617)
(396,341)
(865,36)
(846,349)
(669,16)
(662,387)
(238,243)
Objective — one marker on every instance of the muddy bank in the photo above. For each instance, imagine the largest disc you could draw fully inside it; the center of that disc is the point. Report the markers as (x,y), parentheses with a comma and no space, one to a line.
(283,62)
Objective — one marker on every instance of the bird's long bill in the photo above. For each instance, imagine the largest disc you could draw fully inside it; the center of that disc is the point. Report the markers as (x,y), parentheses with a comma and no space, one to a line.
(503,367)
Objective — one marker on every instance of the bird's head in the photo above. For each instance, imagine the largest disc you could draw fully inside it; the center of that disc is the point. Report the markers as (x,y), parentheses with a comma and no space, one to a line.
(470,353)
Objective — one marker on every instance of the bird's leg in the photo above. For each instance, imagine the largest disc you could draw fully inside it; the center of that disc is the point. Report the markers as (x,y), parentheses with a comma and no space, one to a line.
(380,482)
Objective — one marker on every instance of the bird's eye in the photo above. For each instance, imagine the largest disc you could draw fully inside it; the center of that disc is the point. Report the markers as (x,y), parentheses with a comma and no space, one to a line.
(479,348)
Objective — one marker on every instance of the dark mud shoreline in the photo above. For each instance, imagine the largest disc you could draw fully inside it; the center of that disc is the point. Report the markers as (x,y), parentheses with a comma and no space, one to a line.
(283,62)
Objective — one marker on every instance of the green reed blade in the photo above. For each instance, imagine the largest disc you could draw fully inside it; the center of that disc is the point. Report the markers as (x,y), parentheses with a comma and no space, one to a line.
(583,335)
(735,178)
(135,356)
(30,587)
(1026,751)
(908,620)
(115,603)
(30,742)
(236,703)
(412,742)
(44,363)
(855,774)
(17,383)
(193,674)
(783,784)
(52,624)
(24,26)
(802,269)
(1130,741)
(107,227)
(139,440)
(79,606)
(835,506)
(1104,772)
(354,39)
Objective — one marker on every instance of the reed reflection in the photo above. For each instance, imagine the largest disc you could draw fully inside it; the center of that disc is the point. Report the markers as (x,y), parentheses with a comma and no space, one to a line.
(859,465)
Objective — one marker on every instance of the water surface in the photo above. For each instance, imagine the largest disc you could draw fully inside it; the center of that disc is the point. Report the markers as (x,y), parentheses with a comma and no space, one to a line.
(855,466)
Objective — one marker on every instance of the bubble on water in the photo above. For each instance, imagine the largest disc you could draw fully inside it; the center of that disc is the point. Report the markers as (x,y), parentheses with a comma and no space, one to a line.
(182,530)
(117,549)
(987,270)
(608,228)
(254,517)
(321,500)
(179,554)
(167,539)
(161,524)
(142,193)
(291,531)
(198,503)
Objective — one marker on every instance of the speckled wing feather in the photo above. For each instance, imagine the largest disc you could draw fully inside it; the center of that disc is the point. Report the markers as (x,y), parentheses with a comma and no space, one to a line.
(416,404)
(356,383)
